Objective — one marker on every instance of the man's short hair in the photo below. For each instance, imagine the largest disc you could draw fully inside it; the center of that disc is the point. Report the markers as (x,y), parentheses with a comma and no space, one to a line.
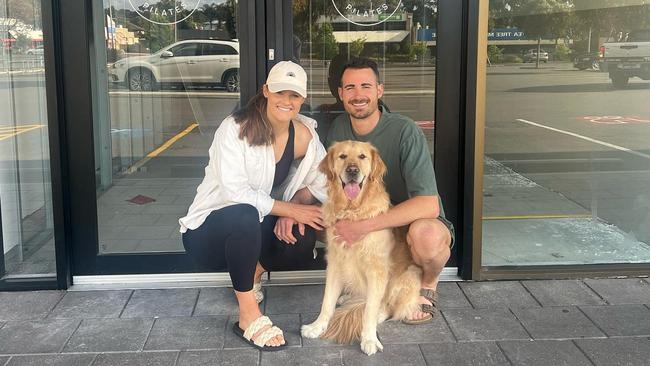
(357,63)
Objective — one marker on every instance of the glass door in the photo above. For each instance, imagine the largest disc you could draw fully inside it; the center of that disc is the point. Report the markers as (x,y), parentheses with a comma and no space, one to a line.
(401,36)
(164,74)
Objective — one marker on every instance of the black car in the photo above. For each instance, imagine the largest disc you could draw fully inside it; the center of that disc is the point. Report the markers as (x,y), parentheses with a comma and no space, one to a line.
(587,61)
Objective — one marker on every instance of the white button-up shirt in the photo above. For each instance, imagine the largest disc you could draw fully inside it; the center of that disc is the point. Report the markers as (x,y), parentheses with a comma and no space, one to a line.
(239,173)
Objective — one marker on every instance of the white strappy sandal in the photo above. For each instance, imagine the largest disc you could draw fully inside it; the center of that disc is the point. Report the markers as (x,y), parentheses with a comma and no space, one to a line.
(261,339)
(257,290)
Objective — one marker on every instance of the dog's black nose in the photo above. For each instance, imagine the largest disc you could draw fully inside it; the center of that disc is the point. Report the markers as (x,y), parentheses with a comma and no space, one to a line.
(352,170)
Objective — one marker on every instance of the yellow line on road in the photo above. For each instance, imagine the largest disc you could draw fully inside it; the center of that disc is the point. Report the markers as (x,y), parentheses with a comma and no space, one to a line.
(9,132)
(133,168)
(536,217)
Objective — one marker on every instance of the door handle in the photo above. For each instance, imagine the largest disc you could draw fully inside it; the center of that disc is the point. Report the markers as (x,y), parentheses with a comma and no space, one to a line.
(191,62)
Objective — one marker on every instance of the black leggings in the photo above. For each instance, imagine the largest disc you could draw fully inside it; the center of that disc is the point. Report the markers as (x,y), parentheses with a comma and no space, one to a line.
(233,238)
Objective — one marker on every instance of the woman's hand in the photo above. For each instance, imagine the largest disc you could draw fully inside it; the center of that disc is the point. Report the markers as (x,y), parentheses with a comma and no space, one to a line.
(284,229)
(307,215)
(302,214)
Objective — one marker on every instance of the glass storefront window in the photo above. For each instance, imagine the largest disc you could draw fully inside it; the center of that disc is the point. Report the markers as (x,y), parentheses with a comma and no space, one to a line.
(168,76)
(399,35)
(26,227)
(566,135)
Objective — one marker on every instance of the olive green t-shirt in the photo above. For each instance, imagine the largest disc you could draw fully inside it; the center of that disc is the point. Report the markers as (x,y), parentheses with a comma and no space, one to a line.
(403,148)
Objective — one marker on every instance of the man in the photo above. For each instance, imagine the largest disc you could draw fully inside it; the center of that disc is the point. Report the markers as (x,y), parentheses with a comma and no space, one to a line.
(410,179)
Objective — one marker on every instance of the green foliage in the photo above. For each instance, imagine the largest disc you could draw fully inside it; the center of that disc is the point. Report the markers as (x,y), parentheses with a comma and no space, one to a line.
(418,51)
(511,59)
(158,35)
(562,52)
(495,54)
(356,47)
(392,49)
(324,43)
(406,47)
(23,42)
(399,58)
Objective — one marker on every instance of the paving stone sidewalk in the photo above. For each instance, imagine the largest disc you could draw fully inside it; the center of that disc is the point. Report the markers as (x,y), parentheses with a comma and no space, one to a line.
(564,322)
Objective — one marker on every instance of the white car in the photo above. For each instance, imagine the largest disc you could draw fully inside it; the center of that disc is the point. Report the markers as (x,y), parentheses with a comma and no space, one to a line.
(34,51)
(531,56)
(189,62)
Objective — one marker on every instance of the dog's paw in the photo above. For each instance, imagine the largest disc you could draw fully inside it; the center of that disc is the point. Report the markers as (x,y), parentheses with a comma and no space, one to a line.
(313,330)
(371,346)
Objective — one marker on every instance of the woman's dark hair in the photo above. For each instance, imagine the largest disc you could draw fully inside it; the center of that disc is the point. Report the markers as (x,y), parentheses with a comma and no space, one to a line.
(254,127)
(360,63)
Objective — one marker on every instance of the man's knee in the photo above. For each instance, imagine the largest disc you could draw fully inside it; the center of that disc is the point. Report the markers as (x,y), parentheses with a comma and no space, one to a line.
(428,238)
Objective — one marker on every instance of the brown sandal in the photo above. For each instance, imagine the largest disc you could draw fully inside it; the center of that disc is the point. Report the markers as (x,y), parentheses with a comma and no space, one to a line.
(431,309)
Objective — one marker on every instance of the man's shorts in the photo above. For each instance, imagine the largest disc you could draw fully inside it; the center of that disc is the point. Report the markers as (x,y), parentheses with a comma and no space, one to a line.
(452,231)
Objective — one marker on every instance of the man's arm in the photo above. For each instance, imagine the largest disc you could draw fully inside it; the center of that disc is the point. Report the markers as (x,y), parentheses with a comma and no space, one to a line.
(415,208)
(304,197)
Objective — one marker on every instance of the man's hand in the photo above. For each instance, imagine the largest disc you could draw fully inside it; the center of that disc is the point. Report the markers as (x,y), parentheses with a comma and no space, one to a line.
(284,229)
(348,232)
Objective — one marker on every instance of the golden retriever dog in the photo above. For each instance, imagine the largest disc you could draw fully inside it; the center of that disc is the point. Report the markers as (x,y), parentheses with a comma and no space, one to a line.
(377,272)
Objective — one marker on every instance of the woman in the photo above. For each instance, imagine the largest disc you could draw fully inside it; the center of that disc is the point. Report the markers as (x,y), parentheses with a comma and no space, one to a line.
(256,207)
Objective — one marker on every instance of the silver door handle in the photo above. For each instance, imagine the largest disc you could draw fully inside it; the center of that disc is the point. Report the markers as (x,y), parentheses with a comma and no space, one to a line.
(191,62)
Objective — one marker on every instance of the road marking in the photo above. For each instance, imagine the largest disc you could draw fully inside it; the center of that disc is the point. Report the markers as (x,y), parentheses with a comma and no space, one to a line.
(11,131)
(607,144)
(614,120)
(534,217)
(133,168)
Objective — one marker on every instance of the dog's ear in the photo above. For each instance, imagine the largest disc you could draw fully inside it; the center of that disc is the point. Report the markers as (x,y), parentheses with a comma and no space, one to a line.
(378,167)
(326,165)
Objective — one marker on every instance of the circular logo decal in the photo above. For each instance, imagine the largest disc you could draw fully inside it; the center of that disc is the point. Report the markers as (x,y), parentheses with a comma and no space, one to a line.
(163,13)
(369,12)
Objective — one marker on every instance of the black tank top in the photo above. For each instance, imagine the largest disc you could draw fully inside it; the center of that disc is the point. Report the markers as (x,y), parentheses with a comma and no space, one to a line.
(282,167)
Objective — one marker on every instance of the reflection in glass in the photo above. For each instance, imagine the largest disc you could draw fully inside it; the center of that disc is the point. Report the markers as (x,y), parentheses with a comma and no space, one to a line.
(399,35)
(169,75)
(26,227)
(566,151)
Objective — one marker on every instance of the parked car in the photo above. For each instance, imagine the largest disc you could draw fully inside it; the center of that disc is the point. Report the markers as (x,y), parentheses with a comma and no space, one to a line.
(34,51)
(189,62)
(531,56)
(627,58)
(587,61)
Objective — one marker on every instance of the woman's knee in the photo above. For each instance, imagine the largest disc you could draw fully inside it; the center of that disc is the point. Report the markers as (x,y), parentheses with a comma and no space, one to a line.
(243,214)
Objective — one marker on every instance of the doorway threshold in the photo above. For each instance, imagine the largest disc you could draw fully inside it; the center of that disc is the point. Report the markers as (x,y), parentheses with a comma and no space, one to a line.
(193,280)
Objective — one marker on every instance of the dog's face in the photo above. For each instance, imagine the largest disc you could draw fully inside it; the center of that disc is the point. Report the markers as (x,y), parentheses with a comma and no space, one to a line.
(353,166)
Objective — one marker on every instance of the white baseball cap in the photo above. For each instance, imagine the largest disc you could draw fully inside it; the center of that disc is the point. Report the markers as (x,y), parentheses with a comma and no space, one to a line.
(286,75)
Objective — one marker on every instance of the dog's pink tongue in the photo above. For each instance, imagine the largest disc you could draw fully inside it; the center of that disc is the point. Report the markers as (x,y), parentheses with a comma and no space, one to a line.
(352,190)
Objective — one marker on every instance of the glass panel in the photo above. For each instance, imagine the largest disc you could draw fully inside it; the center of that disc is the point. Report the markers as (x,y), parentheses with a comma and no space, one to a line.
(159,98)
(26,228)
(567,155)
(399,35)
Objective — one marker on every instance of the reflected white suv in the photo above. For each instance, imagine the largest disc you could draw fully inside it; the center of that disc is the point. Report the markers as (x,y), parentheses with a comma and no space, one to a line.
(189,62)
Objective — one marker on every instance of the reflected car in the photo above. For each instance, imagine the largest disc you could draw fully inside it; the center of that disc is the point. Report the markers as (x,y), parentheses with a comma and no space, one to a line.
(34,51)
(189,62)
(531,56)
(587,61)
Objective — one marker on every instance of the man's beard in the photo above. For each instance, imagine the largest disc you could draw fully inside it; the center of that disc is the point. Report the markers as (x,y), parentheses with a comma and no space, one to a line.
(361,114)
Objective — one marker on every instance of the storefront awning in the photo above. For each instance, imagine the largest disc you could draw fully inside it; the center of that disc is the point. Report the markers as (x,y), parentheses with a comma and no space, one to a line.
(388,36)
